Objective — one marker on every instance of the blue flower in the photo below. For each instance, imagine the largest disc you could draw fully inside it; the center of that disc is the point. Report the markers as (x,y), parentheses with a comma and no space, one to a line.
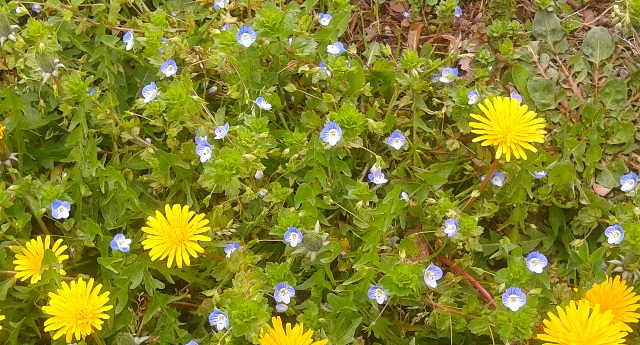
(324,18)
(457,12)
(451,227)
(404,196)
(199,139)
(497,179)
(435,77)
(91,92)
(396,140)
(128,40)
(473,96)
(536,262)
(514,298)
(293,236)
(539,174)
(36,8)
(614,233)
(259,175)
(516,95)
(192,342)
(262,103)
(377,178)
(204,150)
(219,319)
(628,182)
(336,48)
(377,293)
(284,292)
(149,92)
(221,131)
(331,133)
(169,68)
(406,15)
(60,209)
(246,36)
(220,4)
(225,27)
(375,168)
(120,243)
(448,75)
(432,274)
(230,248)
(212,90)
(164,41)
(322,68)
(281,308)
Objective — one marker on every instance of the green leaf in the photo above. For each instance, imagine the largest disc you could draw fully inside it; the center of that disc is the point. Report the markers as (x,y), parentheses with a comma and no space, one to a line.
(520,76)
(542,92)
(614,94)
(598,44)
(547,27)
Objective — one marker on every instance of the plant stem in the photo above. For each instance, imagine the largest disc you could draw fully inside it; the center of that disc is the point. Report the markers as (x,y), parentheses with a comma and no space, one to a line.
(97,339)
(213,256)
(483,185)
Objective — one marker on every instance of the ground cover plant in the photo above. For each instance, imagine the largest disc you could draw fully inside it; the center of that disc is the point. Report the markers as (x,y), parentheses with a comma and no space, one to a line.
(319,172)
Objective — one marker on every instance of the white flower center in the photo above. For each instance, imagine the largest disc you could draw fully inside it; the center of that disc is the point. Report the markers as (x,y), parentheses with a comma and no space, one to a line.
(496,180)
(534,262)
(245,37)
(630,182)
(294,237)
(333,133)
(221,318)
(429,275)
(616,235)
(379,294)
(513,299)
(62,210)
(122,243)
(284,292)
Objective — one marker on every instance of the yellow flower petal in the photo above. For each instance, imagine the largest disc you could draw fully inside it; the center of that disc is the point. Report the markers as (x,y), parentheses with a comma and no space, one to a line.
(295,335)
(616,296)
(29,261)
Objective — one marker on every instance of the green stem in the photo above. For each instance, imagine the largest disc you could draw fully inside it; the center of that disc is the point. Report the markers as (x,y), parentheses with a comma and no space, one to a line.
(97,339)
(483,186)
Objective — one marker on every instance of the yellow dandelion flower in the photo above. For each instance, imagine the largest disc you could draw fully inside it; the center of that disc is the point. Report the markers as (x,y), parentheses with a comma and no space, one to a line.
(615,295)
(29,261)
(508,125)
(176,235)
(2,131)
(577,324)
(75,310)
(1,318)
(295,336)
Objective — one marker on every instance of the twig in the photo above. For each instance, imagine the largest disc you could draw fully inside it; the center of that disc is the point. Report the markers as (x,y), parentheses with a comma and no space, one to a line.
(483,292)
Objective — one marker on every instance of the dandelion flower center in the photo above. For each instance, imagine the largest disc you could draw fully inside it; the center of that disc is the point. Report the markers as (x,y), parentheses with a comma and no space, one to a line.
(29,261)
(175,235)
(508,125)
(295,335)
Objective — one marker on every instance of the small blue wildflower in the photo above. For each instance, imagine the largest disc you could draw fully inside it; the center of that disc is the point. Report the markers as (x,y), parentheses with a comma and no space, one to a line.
(60,209)
(404,196)
(375,168)
(149,92)
(457,12)
(246,36)
(449,75)
(336,48)
(473,96)
(322,68)
(169,68)
(220,4)
(230,248)
(164,41)
(497,179)
(128,40)
(514,298)
(290,40)
(628,182)
(192,342)
(120,243)
(451,227)
(396,140)
(378,178)
(614,233)
(293,236)
(435,77)
(221,131)
(148,140)
(225,27)
(406,15)
(204,150)
(331,133)
(219,319)
(432,274)
(259,175)
(539,174)
(377,293)
(212,90)
(281,308)
(324,18)
(516,95)
(91,92)
(263,104)
(536,262)
(284,292)
(36,8)
(262,193)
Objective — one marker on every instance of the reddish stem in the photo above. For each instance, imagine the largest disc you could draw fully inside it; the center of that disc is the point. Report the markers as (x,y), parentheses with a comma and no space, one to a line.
(485,294)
